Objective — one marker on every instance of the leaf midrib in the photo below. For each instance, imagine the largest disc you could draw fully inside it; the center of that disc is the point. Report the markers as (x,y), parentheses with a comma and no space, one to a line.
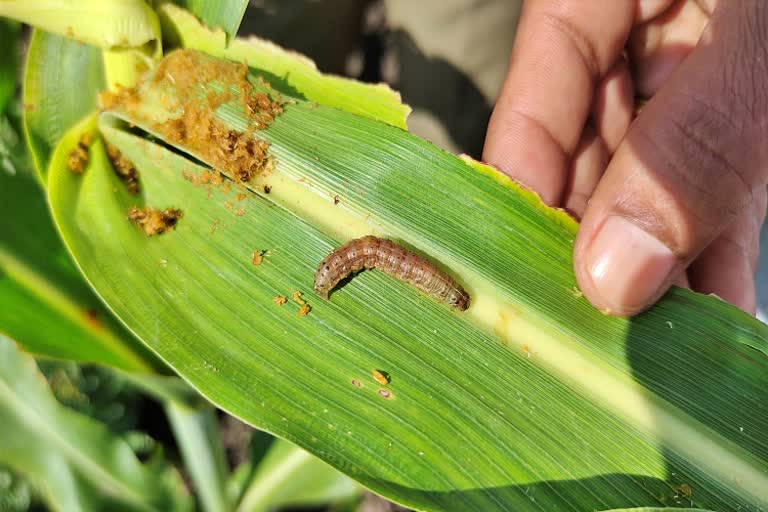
(616,390)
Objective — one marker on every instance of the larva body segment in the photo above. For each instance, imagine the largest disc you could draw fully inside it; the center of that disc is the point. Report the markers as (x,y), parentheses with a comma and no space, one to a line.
(373,252)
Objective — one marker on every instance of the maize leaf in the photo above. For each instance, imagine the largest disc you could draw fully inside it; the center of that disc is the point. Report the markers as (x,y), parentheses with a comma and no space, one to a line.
(223,14)
(529,400)
(44,304)
(298,73)
(107,24)
(61,80)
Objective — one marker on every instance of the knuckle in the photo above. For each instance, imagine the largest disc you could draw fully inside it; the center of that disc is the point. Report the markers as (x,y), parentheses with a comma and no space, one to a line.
(557,20)
(680,196)
(692,172)
(700,149)
(742,28)
(701,140)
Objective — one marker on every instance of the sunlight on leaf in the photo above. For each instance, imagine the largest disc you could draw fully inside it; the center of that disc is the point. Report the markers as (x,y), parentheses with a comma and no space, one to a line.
(103,23)
(530,399)
(56,68)
(44,303)
(223,14)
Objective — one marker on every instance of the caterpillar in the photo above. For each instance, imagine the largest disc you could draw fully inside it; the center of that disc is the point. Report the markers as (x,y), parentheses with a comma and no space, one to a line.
(373,252)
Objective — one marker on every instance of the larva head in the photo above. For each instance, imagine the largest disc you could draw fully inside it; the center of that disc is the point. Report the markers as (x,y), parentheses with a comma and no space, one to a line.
(458,298)
(323,282)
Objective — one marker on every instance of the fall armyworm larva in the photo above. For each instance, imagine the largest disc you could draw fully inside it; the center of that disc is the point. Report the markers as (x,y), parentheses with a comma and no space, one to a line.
(385,255)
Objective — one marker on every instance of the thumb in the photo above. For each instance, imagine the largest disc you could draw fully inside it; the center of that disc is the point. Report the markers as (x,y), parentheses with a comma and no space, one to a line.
(689,165)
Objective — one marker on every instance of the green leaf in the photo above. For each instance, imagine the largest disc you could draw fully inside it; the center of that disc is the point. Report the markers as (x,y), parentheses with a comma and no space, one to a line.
(196,433)
(656,509)
(9,39)
(104,23)
(75,461)
(61,80)
(288,71)
(44,303)
(529,400)
(122,68)
(290,477)
(16,492)
(165,389)
(223,14)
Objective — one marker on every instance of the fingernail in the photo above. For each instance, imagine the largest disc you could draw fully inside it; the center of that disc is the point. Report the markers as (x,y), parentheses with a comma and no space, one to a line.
(627,265)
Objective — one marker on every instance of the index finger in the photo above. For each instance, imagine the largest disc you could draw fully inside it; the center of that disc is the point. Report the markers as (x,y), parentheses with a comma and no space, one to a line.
(562,48)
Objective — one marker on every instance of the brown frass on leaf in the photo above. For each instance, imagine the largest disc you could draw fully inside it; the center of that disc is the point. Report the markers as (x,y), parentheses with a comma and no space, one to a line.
(240,155)
(127,97)
(78,157)
(193,86)
(154,222)
(258,105)
(297,298)
(204,178)
(124,169)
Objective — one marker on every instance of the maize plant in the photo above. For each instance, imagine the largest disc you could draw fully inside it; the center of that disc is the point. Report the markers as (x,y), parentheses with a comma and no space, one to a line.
(197,181)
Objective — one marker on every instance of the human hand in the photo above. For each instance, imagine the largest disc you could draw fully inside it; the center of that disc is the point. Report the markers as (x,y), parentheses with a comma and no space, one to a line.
(679,194)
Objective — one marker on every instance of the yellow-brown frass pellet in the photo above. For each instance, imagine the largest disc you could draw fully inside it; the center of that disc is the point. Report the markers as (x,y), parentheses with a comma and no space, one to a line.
(297,298)
(372,252)
(279,300)
(124,169)
(257,257)
(78,157)
(304,310)
(380,377)
(154,222)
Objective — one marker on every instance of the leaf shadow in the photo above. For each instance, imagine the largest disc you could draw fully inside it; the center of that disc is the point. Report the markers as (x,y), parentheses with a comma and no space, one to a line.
(562,495)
